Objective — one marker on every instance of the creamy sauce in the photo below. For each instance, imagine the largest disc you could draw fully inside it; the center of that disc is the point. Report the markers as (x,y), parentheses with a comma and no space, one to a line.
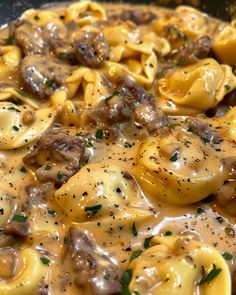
(48,231)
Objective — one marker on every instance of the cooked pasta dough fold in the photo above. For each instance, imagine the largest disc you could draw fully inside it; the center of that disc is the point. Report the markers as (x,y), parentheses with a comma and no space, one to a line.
(176,265)
(98,191)
(20,125)
(10,57)
(179,169)
(29,271)
(199,87)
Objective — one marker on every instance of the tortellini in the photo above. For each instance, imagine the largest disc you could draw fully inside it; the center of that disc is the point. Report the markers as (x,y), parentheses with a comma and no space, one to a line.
(101,190)
(6,207)
(179,168)
(85,12)
(199,87)
(185,23)
(21,125)
(228,121)
(9,60)
(28,273)
(176,265)
(224,45)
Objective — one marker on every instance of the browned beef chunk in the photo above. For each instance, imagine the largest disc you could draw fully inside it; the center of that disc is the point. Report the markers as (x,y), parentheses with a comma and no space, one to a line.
(57,156)
(142,103)
(38,194)
(138,17)
(32,39)
(41,76)
(92,49)
(92,265)
(192,51)
(17,229)
(203,130)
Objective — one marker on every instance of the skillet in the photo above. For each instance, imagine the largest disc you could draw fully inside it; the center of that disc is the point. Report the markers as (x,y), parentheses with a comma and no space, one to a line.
(223,9)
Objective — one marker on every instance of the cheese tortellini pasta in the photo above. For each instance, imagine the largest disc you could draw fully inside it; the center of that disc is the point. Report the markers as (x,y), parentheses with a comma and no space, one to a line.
(179,168)
(28,272)
(177,265)
(21,125)
(10,58)
(199,86)
(101,190)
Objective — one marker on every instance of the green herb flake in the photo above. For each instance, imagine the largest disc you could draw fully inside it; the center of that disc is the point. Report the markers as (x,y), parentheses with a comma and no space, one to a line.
(136,293)
(200,210)
(181,62)
(134,230)
(99,134)
(187,143)
(147,241)
(78,134)
(190,129)
(51,83)
(60,175)
(14,109)
(66,240)
(207,278)
(93,209)
(115,93)
(227,256)
(9,40)
(126,277)
(45,260)
(36,17)
(47,167)
(16,101)
(125,291)
(89,143)
(107,277)
(15,128)
(19,218)
(23,170)
(174,157)
(52,212)
(168,233)
(205,140)
(136,254)
(22,92)
(227,87)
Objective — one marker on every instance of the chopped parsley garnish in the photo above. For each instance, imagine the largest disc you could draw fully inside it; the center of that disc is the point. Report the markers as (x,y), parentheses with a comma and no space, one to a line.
(16,101)
(14,109)
(22,92)
(51,83)
(107,277)
(190,129)
(200,210)
(93,209)
(205,140)
(66,240)
(36,17)
(207,278)
(134,230)
(89,143)
(147,242)
(168,233)
(15,128)
(187,142)
(19,218)
(59,175)
(181,63)
(227,256)
(99,134)
(125,291)
(23,169)
(227,87)
(136,293)
(126,277)
(52,212)
(174,157)
(115,93)
(45,260)
(9,40)
(47,167)
(136,254)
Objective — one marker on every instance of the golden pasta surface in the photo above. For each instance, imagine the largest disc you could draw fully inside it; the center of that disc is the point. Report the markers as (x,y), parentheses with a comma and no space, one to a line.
(117,152)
